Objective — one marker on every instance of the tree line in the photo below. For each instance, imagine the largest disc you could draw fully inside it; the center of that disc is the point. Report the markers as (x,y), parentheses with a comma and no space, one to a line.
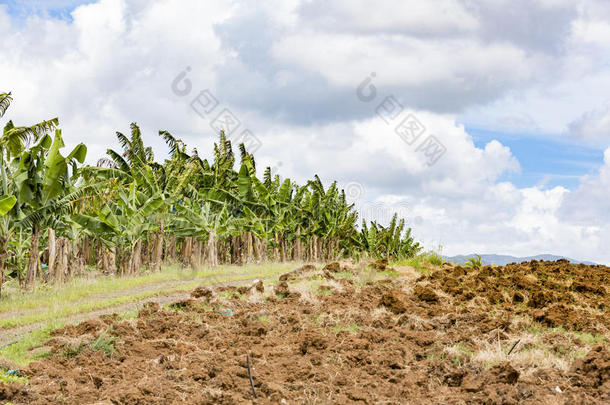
(59,216)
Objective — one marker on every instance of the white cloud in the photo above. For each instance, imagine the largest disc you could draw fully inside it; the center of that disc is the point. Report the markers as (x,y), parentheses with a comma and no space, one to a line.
(407,16)
(593,125)
(344,59)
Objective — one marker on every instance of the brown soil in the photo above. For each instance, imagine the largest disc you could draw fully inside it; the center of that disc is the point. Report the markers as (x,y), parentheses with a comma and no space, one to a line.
(377,342)
(556,293)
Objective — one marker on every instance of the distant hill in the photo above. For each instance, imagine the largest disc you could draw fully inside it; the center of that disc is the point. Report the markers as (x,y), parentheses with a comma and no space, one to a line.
(502,260)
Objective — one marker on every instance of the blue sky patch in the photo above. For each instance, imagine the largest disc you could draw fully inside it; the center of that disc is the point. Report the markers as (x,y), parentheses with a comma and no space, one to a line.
(544,161)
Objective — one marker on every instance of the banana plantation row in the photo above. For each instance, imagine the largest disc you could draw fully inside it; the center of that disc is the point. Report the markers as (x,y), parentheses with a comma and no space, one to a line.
(59,216)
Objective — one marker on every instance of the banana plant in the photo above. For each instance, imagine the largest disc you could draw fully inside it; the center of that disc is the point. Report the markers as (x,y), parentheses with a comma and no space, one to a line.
(202,222)
(45,190)
(124,223)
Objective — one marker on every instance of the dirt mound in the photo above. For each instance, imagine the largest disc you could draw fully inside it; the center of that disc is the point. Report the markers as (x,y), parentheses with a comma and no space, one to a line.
(13,392)
(499,374)
(394,300)
(259,286)
(562,315)
(295,274)
(380,265)
(333,267)
(594,369)
(88,327)
(312,341)
(281,288)
(202,292)
(425,294)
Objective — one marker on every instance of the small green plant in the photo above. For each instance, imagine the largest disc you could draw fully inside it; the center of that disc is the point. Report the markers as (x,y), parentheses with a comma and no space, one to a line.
(71,350)
(474,262)
(434,258)
(104,343)
(387,274)
(590,339)
(345,274)
(420,261)
(7,377)
(324,291)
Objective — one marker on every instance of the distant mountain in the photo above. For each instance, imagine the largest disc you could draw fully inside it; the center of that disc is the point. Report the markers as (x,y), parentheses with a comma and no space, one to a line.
(502,260)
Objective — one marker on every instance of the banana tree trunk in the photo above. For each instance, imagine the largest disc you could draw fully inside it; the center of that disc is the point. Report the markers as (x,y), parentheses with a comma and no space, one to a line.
(77,257)
(106,263)
(32,265)
(112,260)
(136,257)
(68,259)
(196,256)
(171,249)
(282,249)
(298,246)
(276,252)
(255,248)
(59,261)
(187,251)
(86,251)
(2,260)
(52,255)
(211,253)
(158,249)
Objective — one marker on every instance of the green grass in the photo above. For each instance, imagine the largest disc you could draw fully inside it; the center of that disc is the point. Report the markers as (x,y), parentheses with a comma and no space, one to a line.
(20,354)
(387,274)
(588,339)
(421,262)
(12,378)
(104,343)
(323,292)
(81,288)
(62,302)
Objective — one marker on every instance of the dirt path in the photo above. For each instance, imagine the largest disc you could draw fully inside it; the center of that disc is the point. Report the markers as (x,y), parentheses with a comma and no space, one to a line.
(13,334)
(149,287)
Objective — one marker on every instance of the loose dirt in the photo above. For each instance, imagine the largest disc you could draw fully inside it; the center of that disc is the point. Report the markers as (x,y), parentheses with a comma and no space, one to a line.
(361,340)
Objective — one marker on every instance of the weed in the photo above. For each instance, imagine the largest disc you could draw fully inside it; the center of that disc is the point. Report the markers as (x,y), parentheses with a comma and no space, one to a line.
(589,339)
(474,262)
(71,350)
(263,319)
(324,292)
(104,343)
(11,378)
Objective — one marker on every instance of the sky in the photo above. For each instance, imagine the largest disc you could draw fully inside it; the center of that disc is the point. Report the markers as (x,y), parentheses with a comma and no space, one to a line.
(485,123)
